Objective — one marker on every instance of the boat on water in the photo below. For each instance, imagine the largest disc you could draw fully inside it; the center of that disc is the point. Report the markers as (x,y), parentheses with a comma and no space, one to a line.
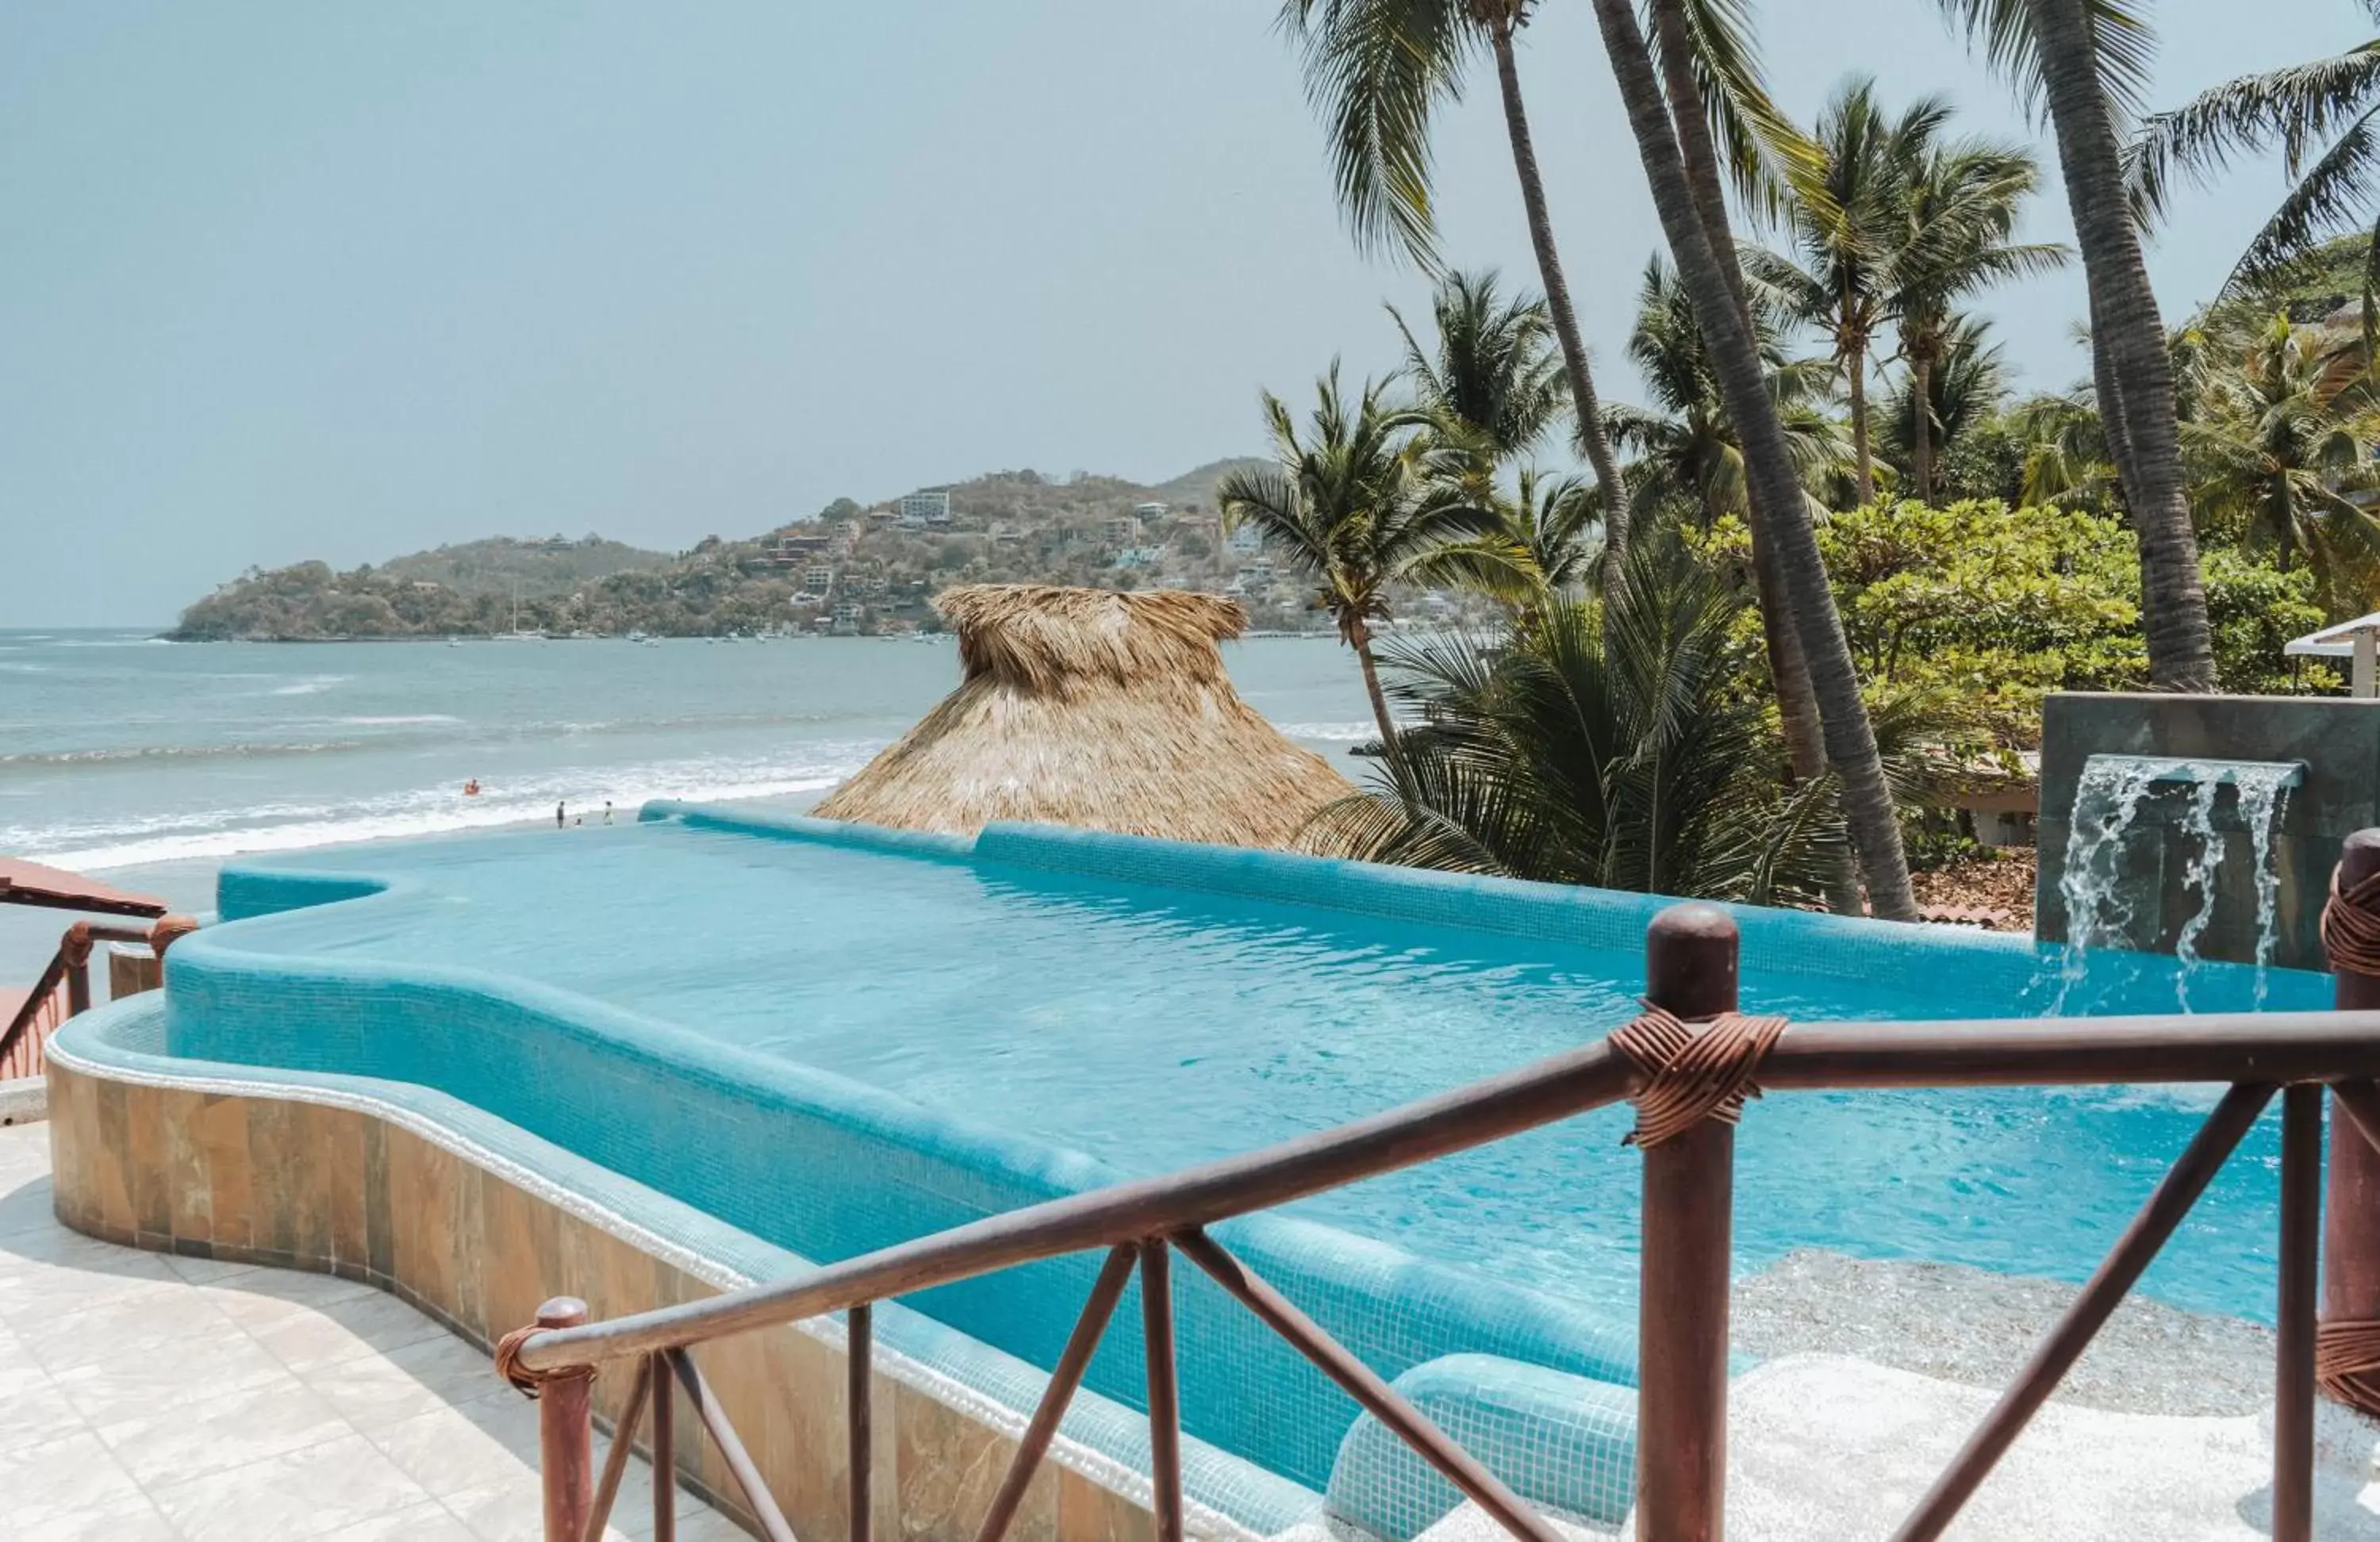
(518,634)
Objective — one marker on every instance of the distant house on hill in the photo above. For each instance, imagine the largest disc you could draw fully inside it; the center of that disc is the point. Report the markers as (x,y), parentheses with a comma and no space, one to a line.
(789,550)
(920,510)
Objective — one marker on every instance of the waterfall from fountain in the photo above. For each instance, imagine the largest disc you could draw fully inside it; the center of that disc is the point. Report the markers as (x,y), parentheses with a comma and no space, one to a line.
(2101,913)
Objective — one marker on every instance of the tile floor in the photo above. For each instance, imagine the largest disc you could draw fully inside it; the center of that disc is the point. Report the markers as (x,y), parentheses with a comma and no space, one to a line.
(143,1397)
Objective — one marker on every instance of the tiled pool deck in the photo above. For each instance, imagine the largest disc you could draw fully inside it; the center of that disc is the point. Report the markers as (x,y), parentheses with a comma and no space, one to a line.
(144,1396)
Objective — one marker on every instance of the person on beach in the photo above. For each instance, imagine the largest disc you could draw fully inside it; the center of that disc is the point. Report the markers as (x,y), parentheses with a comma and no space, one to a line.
(559,822)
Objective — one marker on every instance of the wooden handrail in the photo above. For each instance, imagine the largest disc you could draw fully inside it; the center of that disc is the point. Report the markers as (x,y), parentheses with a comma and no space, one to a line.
(35,1004)
(1691,973)
(1554,1089)
(69,973)
(2271,1048)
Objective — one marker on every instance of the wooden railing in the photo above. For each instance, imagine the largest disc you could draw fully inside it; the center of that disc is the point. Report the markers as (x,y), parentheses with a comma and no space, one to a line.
(63,989)
(1691,959)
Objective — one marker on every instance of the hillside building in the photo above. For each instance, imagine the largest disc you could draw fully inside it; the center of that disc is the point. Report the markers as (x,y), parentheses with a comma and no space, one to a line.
(925,509)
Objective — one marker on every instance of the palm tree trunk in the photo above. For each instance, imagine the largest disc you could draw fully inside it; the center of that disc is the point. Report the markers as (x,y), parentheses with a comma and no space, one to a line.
(1855,372)
(2111,410)
(1593,436)
(1851,738)
(2132,334)
(1797,705)
(1359,638)
(1921,426)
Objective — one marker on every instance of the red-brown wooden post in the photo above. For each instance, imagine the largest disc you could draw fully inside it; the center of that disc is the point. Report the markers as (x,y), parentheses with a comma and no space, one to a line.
(1690,968)
(2351,1224)
(565,1435)
(2293,1360)
(75,947)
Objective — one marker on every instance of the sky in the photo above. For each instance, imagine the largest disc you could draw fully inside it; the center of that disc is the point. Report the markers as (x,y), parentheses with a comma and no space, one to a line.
(342,281)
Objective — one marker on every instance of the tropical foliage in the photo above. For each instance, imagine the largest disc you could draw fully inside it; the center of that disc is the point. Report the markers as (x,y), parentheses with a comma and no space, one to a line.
(2286,424)
(1607,744)
(1993,607)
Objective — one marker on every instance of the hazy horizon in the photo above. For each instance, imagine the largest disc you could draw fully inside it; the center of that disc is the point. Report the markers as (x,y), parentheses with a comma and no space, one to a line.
(294,282)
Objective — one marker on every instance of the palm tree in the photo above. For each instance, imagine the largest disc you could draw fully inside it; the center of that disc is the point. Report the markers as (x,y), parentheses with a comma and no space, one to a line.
(1849,244)
(2288,424)
(1685,445)
(2066,459)
(1910,225)
(1605,746)
(2086,59)
(1531,552)
(1378,69)
(1489,378)
(1959,208)
(1352,508)
(1693,233)
(2326,117)
(1963,387)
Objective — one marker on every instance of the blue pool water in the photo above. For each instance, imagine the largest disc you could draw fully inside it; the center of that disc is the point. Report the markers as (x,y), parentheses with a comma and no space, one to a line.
(1152,1027)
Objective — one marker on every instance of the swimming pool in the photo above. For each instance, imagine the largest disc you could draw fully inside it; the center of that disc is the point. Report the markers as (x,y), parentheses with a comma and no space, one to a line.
(837,1038)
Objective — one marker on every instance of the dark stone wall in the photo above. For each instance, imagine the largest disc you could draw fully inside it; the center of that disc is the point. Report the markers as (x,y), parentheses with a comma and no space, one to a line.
(2337,738)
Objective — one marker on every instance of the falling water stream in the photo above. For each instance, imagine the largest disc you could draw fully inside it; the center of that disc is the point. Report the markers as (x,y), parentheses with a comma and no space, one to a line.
(2103,909)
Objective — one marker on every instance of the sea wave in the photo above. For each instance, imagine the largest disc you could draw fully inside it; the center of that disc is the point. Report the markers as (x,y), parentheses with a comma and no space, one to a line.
(172,752)
(433,810)
(400,719)
(1337,732)
(312,684)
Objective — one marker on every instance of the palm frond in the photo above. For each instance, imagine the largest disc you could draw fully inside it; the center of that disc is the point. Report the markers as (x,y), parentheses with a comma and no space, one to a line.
(2291,107)
(2124,45)
(2339,192)
(1378,71)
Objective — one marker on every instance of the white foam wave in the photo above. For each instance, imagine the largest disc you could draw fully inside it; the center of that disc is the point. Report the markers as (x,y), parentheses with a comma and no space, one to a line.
(401,719)
(1337,732)
(311,685)
(434,811)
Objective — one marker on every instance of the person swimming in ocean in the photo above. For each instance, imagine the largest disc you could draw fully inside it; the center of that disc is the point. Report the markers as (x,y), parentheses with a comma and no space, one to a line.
(471,788)
(607,810)
(559,822)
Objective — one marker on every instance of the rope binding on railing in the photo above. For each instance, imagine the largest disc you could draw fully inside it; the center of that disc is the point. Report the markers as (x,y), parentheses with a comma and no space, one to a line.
(1693,1071)
(528,1382)
(2347,1363)
(2350,926)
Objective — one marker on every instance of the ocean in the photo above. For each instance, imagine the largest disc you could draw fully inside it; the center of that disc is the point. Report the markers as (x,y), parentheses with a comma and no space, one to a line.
(151,762)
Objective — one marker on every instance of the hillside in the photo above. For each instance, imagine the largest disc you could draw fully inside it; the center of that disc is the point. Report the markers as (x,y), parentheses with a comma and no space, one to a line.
(538,568)
(1196,487)
(850,569)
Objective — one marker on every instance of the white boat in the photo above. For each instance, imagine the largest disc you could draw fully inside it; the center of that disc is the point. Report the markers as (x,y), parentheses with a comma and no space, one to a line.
(516,635)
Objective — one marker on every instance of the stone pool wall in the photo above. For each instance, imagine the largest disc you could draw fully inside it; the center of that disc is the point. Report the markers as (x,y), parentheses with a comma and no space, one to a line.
(296,1184)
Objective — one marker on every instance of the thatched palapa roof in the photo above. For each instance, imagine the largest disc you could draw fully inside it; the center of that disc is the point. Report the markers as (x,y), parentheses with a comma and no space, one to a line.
(1086,707)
